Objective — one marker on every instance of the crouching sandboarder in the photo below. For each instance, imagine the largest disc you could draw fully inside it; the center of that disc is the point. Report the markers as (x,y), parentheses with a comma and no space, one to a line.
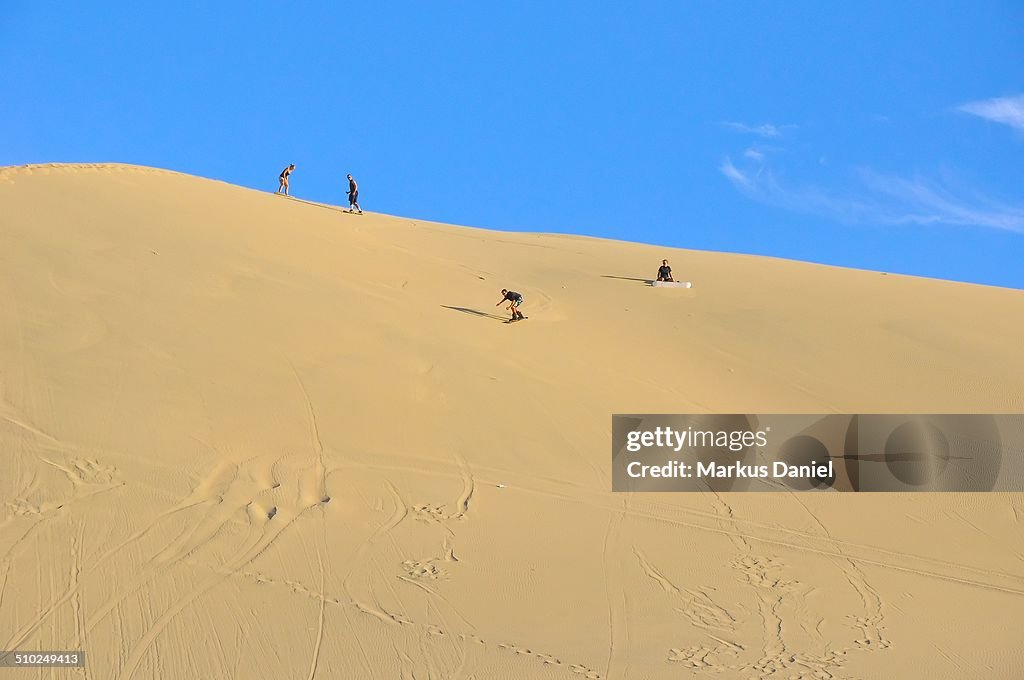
(514,299)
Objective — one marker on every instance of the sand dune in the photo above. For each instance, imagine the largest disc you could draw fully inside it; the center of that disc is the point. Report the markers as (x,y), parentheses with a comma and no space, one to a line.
(248,436)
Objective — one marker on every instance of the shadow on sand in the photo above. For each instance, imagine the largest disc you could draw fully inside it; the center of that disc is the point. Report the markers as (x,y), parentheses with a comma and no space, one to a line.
(476,312)
(315,204)
(625,278)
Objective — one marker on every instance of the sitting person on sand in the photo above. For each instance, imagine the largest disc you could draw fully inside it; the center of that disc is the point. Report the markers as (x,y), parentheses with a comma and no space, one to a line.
(515,299)
(283,179)
(665,272)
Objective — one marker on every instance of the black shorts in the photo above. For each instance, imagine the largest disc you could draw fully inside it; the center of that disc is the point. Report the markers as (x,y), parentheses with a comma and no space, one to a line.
(353,197)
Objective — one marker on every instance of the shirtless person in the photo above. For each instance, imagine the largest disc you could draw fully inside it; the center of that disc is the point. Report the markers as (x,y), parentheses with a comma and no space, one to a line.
(283,179)
(353,196)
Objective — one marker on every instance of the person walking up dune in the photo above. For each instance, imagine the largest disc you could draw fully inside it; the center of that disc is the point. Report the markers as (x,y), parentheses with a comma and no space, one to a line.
(353,196)
(283,179)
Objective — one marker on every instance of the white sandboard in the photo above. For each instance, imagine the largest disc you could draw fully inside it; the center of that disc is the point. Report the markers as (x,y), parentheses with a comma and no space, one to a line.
(671,284)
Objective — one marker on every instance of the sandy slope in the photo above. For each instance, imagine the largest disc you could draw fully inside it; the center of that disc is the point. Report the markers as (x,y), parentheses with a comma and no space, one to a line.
(246,436)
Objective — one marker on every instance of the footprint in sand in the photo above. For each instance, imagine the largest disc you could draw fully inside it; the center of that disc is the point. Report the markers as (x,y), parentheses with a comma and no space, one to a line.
(423,569)
(433,513)
(548,659)
(756,571)
(22,508)
(92,471)
(871,627)
(694,657)
(580,669)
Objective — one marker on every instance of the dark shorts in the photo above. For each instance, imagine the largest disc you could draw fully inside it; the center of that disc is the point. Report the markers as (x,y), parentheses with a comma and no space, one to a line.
(353,197)
(518,301)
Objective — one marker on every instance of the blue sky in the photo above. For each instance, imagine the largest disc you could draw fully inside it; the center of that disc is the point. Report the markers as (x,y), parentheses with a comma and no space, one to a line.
(870,134)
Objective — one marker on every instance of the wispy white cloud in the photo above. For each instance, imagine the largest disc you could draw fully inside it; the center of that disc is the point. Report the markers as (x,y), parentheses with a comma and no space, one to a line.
(927,201)
(734,175)
(1005,110)
(881,199)
(763,130)
(754,154)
